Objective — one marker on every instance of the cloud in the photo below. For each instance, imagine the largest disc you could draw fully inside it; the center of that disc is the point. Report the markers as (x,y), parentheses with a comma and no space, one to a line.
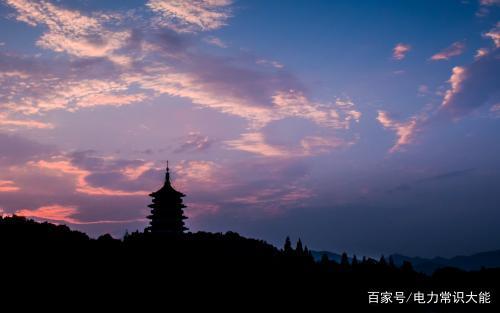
(63,166)
(494,34)
(70,31)
(274,64)
(161,63)
(194,142)
(65,214)
(8,186)
(457,48)
(472,86)
(495,110)
(197,209)
(308,146)
(195,172)
(481,52)
(431,179)
(255,143)
(9,123)
(215,41)
(405,131)
(16,150)
(32,86)
(485,7)
(447,175)
(191,15)
(217,84)
(275,200)
(423,90)
(400,50)
(51,212)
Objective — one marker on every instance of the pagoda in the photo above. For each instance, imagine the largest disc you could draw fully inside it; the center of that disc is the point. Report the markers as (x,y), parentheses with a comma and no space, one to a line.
(167,215)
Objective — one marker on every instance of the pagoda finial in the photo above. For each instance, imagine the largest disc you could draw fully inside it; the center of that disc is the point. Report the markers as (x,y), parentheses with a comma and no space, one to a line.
(167,175)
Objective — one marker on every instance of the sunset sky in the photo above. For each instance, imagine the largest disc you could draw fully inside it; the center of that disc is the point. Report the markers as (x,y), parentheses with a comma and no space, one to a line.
(361,126)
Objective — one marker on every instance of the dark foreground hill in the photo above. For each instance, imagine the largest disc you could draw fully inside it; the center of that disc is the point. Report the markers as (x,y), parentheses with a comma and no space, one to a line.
(211,269)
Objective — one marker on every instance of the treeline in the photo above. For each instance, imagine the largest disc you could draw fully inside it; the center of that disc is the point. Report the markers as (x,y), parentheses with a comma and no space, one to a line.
(211,262)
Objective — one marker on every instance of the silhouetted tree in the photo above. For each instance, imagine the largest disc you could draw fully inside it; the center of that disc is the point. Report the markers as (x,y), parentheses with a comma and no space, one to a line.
(344,260)
(354,260)
(308,253)
(287,248)
(167,215)
(298,248)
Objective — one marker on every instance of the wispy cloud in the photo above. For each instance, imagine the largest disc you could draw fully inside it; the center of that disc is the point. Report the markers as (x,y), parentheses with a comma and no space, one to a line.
(70,31)
(194,142)
(308,146)
(215,41)
(405,131)
(457,48)
(64,214)
(8,186)
(255,143)
(485,7)
(9,123)
(274,64)
(495,110)
(191,15)
(494,34)
(400,50)
(158,62)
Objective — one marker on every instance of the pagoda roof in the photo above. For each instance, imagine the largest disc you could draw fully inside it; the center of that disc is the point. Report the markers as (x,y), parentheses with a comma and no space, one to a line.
(167,187)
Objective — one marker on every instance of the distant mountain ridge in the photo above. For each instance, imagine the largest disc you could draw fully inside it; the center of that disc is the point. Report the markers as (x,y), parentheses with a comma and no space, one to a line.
(488,259)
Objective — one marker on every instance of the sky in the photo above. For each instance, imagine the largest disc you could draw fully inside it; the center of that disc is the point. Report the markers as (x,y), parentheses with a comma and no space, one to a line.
(369,127)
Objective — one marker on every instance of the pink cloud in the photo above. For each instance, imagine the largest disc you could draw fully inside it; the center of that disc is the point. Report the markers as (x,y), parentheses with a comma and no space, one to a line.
(481,52)
(255,143)
(473,85)
(494,34)
(405,131)
(191,15)
(52,212)
(9,123)
(194,142)
(215,41)
(457,48)
(8,186)
(308,146)
(62,166)
(70,31)
(400,50)
(196,172)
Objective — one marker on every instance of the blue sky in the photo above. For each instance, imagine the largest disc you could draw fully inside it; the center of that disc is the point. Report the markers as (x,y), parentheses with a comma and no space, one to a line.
(368,127)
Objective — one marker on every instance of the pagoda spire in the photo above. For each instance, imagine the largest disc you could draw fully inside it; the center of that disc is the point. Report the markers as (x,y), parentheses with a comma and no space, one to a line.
(167,175)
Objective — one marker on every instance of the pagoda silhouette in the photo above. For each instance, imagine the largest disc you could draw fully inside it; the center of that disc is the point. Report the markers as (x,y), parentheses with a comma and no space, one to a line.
(167,210)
